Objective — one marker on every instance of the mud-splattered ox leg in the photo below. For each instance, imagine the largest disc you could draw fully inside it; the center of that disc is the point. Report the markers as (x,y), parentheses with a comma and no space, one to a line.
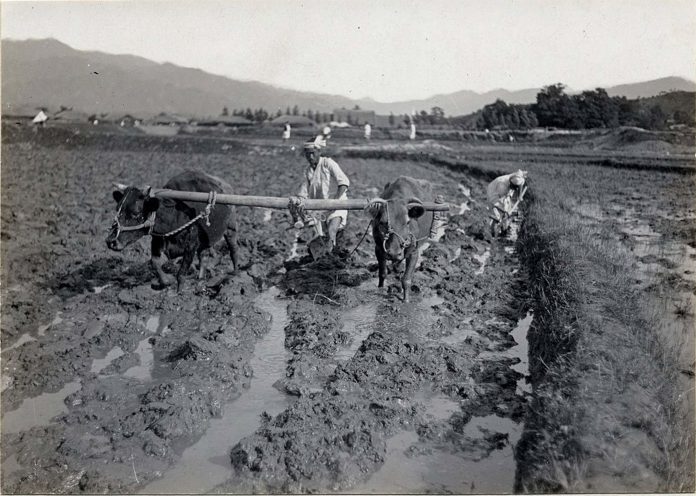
(157,259)
(411,255)
(186,262)
(382,263)
(203,256)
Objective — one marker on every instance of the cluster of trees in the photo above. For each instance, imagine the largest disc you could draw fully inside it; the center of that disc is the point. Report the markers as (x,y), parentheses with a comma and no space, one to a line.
(502,115)
(596,109)
(260,115)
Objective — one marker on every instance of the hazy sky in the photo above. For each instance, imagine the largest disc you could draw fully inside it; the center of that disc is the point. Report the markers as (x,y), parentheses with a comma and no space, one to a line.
(385,49)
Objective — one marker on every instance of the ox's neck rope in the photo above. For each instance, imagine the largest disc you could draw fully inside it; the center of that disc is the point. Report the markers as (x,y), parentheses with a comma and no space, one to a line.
(149,223)
(205,214)
(405,243)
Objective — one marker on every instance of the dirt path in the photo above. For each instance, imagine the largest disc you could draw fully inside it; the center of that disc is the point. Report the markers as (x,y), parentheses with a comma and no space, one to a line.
(109,385)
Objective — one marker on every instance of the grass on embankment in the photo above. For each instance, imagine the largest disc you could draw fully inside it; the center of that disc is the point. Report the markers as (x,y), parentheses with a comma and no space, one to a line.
(605,415)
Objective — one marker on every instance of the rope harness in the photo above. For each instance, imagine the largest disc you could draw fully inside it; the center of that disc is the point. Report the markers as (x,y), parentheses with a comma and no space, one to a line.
(411,238)
(149,223)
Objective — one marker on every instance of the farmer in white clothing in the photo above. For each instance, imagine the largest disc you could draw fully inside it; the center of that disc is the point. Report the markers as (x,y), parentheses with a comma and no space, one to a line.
(286,131)
(368,130)
(317,181)
(505,193)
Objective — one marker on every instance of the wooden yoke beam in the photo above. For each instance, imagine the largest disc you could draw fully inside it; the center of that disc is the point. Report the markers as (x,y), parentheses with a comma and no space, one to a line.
(278,202)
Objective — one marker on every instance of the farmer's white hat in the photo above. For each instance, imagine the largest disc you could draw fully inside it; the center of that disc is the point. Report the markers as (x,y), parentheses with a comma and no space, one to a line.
(517,178)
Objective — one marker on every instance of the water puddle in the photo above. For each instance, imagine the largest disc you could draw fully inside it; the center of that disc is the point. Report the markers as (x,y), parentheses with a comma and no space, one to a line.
(24,338)
(458,335)
(457,254)
(482,259)
(438,407)
(99,364)
(153,323)
(38,411)
(206,463)
(57,320)
(143,371)
(359,323)
(521,351)
(99,289)
(408,471)
(477,426)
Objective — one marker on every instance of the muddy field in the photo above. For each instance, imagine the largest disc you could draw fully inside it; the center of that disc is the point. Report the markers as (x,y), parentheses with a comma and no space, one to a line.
(292,375)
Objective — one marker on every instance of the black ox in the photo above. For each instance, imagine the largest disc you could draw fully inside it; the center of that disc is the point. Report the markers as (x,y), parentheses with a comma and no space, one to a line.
(401,225)
(178,228)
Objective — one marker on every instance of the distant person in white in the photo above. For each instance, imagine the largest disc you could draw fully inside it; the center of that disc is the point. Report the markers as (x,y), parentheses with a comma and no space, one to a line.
(317,184)
(323,138)
(368,131)
(286,131)
(412,136)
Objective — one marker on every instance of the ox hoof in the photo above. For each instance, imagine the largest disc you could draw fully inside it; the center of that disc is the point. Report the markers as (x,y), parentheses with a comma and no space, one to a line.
(164,282)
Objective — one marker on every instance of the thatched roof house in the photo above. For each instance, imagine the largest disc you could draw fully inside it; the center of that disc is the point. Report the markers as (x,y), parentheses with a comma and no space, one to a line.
(226,120)
(71,116)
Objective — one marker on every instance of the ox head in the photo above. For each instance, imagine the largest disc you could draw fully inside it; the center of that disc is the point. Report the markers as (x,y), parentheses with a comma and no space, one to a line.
(396,224)
(134,216)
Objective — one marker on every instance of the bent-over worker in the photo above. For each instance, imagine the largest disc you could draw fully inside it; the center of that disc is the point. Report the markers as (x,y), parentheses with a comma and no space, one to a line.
(505,193)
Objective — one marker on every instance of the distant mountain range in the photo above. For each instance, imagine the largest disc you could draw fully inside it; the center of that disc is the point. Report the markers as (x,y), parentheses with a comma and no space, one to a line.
(50,73)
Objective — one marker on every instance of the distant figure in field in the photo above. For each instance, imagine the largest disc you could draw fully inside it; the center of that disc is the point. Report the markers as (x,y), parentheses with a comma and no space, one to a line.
(286,131)
(505,193)
(323,138)
(368,131)
(412,136)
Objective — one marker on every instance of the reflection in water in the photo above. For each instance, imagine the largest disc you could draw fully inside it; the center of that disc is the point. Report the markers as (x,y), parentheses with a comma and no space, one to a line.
(206,463)
(24,338)
(358,323)
(147,361)
(482,259)
(37,411)
(521,351)
(99,364)
(57,320)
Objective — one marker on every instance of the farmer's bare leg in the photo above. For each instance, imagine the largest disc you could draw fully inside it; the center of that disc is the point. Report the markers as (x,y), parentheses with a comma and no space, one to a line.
(334,227)
(411,256)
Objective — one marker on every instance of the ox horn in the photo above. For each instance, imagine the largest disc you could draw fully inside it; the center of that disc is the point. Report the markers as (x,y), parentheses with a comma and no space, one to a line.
(120,187)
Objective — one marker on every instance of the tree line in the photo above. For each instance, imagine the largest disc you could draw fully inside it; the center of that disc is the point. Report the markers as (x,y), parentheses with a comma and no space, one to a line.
(587,110)
(553,108)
